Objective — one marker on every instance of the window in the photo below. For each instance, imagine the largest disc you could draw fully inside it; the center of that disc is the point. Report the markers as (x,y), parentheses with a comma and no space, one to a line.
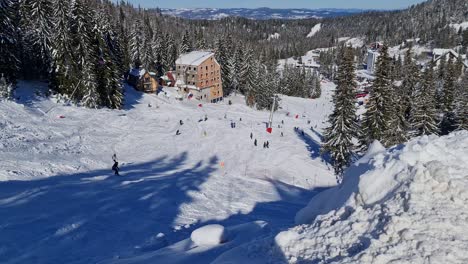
(206,67)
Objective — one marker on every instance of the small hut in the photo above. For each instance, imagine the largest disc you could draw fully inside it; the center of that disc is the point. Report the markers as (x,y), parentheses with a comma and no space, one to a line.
(142,80)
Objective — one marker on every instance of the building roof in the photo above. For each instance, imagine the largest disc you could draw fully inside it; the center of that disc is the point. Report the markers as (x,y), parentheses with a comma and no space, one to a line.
(440,53)
(194,58)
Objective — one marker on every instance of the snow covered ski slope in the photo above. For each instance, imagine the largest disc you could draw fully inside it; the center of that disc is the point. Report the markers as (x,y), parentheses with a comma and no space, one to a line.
(61,203)
(408,204)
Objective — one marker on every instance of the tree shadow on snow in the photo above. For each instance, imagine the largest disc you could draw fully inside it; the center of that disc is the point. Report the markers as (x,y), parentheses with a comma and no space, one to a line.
(88,216)
(248,241)
(313,146)
(132,97)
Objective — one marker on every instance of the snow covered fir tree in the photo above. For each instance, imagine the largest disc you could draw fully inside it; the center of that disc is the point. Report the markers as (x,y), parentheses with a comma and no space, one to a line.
(132,133)
(343,125)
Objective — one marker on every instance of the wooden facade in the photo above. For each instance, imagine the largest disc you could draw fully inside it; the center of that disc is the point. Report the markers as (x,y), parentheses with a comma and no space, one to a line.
(145,82)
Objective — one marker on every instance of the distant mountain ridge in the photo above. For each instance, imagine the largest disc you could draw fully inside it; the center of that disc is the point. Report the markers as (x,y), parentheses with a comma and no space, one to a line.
(258,13)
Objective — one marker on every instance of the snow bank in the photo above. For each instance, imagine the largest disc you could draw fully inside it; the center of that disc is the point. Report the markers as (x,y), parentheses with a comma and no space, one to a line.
(404,205)
(314,30)
(209,235)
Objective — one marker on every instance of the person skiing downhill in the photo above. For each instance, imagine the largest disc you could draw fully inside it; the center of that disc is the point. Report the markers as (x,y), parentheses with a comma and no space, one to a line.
(255,142)
(115,167)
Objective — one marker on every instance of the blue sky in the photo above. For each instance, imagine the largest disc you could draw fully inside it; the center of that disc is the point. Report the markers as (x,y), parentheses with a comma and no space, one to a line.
(365,4)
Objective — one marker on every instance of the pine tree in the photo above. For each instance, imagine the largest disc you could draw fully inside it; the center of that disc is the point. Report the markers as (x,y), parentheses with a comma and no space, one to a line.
(6,89)
(234,64)
(244,69)
(108,79)
(448,123)
(397,126)
(61,49)
(83,74)
(424,117)
(136,43)
(8,42)
(147,56)
(265,88)
(343,126)
(461,110)
(410,84)
(39,25)
(222,51)
(186,45)
(201,43)
(123,35)
(376,119)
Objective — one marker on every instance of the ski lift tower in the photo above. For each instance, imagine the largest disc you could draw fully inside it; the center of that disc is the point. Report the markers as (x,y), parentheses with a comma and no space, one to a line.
(270,121)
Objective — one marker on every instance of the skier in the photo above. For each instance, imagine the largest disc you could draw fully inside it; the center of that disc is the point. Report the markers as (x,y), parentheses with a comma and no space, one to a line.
(240,119)
(177,132)
(206,117)
(264,144)
(302,132)
(282,134)
(255,142)
(267,144)
(181,122)
(251,135)
(282,122)
(115,167)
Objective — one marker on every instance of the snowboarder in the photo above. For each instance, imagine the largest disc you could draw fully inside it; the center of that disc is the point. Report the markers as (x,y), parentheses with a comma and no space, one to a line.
(181,122)
(251,135)
(255,142)
(177,132)
(115,167)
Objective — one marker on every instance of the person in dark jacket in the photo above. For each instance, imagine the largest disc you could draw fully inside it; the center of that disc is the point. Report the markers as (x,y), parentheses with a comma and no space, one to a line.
(251,135)
(255,142)
(115,167)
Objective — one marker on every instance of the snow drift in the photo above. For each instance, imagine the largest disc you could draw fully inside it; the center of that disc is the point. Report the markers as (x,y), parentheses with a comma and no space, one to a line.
(408,204)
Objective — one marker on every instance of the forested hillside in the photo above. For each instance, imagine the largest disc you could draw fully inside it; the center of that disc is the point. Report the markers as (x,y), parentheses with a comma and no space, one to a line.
(84,47)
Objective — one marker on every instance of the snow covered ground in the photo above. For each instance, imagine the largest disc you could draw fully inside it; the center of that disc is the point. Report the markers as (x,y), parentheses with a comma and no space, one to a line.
(408,204)
(314,30)
(60,203)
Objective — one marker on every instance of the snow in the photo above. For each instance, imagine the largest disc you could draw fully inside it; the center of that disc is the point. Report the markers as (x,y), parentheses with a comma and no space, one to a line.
(274,36)
(314,30)
(137,72)
(209,235)
(353,42)
(60,202)
(308,61)
(463,26)
(194,58)
(407,204)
